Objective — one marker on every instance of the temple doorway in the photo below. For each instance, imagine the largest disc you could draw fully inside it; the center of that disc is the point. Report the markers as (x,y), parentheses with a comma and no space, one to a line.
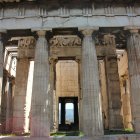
(68,114)
(67,95)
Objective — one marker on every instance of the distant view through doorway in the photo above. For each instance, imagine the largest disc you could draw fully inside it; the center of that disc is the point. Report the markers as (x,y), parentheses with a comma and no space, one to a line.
(68,113)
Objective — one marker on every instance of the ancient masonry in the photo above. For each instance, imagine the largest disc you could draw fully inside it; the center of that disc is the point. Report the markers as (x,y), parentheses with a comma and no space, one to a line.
(83,52)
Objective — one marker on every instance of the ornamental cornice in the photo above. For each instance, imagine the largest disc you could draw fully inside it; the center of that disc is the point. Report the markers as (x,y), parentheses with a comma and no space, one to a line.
(65,41)
(24,11)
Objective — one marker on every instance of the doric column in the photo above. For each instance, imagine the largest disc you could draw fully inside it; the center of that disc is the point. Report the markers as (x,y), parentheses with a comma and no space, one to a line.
(40,121)
(9,108)
(1,69)
(113,83)
(52,95)
(125,96)
(92,115)
(133,48)
(20,124)
(21,109)
(4,101)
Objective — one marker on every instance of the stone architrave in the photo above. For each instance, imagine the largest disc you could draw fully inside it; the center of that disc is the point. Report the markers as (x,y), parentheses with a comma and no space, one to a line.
(133,48)
(40,109)
(91,104)
(20,122)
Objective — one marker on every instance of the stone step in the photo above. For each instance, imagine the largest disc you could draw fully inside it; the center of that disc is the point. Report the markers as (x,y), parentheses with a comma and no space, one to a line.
(106,137)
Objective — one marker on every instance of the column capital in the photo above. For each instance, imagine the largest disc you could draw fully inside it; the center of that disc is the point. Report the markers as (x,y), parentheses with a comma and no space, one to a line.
(53,60)
(132,29)
(88,31)
(2,31)
(41,31)
(78,59)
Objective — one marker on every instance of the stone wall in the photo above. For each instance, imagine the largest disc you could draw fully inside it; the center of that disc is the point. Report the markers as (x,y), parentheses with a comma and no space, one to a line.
(125,89)
(67,79)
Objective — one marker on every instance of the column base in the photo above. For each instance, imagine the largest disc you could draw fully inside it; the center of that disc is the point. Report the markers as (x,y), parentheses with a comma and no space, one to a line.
(18,127)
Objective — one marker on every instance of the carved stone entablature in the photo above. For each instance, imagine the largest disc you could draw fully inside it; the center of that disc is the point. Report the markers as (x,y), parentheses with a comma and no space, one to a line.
(109,40)
(26,42)
(65,41)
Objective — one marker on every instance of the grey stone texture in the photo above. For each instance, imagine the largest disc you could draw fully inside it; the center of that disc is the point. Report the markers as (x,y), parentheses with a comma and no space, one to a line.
(20,120)
(40,108)
(133,45)
(91,102)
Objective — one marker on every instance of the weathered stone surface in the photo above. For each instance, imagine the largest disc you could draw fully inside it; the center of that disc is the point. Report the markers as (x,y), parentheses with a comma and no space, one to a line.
(20,122)
(40,110)
(65,41)
(107,137)
(133,44)
(67,79)
(91,105)
(114,93)
(1,73)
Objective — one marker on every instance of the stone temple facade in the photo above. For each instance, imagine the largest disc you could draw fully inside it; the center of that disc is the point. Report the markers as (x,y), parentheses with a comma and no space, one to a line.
(83,52)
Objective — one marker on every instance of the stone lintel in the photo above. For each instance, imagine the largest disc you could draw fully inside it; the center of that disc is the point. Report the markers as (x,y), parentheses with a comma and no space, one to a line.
(87,31)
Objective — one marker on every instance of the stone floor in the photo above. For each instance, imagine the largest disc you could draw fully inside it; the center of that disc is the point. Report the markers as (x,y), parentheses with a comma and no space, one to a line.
(106,137)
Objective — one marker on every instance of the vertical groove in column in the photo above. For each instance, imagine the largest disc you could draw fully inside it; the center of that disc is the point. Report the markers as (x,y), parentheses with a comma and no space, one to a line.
(1,74)
(92,116)
(40,102)
(52,93)
(133,47)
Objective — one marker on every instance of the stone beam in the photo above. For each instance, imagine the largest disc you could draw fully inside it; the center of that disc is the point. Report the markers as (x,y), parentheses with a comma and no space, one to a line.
(77,21)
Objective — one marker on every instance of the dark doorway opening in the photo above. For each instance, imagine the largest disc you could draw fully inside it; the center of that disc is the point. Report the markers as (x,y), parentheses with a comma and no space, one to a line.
(68,114)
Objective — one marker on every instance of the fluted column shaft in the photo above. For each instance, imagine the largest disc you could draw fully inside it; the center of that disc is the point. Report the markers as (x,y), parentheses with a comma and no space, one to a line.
(40,124)
(20,123)
(114,93)
(133,47)
(1,74)
(9,106)
(92,116)
(52,96)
